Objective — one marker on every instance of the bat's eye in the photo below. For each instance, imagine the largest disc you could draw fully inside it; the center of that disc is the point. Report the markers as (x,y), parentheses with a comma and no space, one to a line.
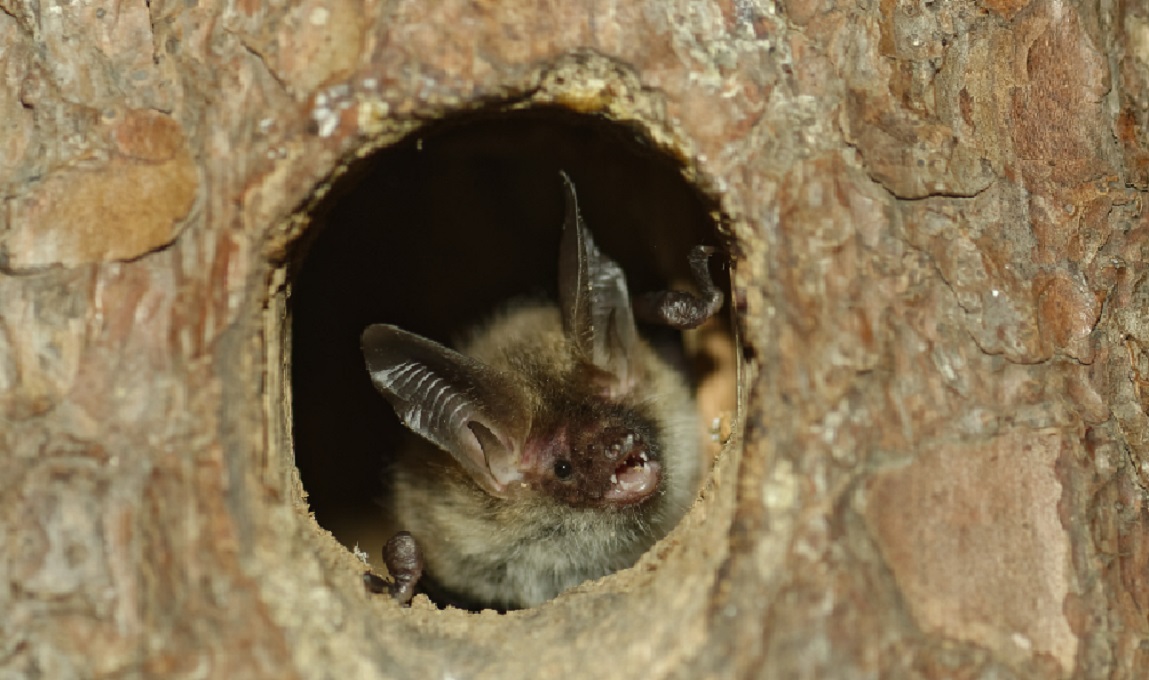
(563,469)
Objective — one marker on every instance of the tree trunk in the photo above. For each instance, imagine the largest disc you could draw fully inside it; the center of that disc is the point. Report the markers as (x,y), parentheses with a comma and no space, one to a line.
(938,270)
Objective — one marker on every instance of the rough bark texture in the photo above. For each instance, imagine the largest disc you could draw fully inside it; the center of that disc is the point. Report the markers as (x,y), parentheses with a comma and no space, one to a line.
(940,270)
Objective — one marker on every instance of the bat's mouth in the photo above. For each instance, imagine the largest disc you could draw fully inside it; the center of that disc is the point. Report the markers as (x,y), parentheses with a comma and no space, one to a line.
(635,478)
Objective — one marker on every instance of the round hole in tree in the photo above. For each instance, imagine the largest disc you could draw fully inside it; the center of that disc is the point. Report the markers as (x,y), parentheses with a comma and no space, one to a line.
(446,229)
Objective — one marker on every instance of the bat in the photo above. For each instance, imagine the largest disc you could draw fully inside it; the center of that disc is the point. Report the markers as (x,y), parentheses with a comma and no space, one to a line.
(553,447)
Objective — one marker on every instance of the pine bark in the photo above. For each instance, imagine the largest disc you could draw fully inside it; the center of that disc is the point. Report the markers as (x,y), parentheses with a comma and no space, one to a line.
(940,268)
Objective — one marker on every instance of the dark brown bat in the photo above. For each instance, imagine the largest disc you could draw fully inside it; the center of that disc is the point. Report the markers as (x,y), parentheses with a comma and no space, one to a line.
(553,447)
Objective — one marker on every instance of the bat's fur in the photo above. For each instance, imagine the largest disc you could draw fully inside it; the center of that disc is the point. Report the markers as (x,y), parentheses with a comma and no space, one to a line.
(555,446)
(522,550)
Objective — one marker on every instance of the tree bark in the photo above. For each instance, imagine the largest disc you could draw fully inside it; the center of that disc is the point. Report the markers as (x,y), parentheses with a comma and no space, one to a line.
(938,268)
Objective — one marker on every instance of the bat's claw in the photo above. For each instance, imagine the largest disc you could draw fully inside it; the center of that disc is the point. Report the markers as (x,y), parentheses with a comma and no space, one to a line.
(404,561)
(684,310)
(375,584)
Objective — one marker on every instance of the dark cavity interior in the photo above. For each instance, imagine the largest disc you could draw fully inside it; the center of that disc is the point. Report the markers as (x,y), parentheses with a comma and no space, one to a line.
(434,233)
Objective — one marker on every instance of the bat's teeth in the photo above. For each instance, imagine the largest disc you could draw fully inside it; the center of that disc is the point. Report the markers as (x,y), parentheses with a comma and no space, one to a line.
(634,482)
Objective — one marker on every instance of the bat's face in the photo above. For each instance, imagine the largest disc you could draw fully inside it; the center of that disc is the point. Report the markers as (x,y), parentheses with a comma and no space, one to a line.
(609,459)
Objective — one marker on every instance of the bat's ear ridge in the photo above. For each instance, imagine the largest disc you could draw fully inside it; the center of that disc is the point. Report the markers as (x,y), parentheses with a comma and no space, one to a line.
(596,311)
(468,409)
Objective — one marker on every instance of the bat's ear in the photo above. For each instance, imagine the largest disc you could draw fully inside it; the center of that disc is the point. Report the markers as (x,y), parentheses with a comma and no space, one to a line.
(595,302)
(468,409)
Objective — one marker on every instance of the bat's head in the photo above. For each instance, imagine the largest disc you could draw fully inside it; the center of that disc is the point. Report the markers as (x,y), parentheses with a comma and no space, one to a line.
(596,462)
(551,425)
(564,429)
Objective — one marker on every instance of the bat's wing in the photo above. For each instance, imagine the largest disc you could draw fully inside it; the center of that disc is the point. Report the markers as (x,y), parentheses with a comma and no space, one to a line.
(596,311)
(470,410)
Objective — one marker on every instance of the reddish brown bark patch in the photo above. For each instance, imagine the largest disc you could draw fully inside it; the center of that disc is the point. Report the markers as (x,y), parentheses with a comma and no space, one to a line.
(973,536)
